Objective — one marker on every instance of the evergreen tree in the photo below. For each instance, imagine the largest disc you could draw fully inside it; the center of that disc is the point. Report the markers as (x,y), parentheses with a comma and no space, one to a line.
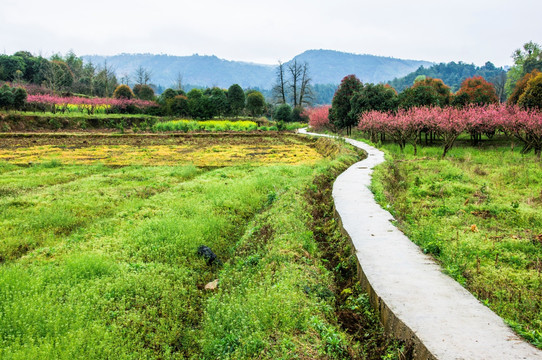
(255,103)
(373,97)
(236,99)
(340,112)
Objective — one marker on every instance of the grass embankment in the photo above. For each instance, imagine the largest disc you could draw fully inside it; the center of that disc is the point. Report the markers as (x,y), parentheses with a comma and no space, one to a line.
(222,125)
(32,121)
(479,213)
(101,262)
(14,121)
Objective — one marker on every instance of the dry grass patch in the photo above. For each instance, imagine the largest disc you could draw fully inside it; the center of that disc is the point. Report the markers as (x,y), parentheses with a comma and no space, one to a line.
(160,150)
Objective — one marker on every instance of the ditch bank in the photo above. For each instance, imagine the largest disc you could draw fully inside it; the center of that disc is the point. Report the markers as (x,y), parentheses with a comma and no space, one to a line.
(416,302)
(24,122)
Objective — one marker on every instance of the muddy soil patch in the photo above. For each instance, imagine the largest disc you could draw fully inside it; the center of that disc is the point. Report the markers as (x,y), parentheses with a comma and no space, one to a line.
(353,309)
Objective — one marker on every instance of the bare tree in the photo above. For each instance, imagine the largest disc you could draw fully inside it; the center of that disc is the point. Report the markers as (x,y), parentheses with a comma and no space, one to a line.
(293,83)
(305,90)
(499,83)
(125,79)
(106,81)
(89,77)
(179,81)
(48,75)
(301,91)
(295,70)
(142,75)
(279,90)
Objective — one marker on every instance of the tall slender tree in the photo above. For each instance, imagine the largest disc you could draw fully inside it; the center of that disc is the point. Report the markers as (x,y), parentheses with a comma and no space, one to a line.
(305,91)
(280,88)
(179,81)
(499,82)
(296,71)
(106,81)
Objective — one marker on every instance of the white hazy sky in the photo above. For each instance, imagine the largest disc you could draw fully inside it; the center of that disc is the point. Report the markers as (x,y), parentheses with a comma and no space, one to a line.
(473,31)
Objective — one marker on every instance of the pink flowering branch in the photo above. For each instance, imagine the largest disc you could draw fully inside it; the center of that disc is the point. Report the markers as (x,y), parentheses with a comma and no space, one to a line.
(86,103)
(318,117)
(406,126)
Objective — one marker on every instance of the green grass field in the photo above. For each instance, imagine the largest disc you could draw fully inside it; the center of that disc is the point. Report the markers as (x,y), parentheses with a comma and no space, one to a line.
(479,213)
(101,262)
(222,125)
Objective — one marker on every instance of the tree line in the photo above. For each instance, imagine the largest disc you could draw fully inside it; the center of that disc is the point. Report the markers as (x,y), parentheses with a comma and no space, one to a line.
(353,98)
(523,87)
(66,74)
(197,103)
(453,74)
(212,102)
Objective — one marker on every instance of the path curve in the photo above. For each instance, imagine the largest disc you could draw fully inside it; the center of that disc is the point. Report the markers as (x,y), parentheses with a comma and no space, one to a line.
(416,301)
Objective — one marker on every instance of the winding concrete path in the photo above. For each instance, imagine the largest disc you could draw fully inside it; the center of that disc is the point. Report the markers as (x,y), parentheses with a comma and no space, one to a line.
(416,301)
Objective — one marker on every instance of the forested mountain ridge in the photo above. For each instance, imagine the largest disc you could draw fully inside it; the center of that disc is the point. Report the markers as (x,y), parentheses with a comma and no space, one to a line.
(197,70)
(453,74)
(330,67)
(326,67)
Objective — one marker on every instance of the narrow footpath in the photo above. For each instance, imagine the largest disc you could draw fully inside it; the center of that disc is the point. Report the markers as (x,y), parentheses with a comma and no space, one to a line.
(416,301)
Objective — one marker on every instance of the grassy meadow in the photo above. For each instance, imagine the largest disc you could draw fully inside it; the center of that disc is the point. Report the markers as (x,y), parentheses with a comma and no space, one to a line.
(101,262)
(479,213)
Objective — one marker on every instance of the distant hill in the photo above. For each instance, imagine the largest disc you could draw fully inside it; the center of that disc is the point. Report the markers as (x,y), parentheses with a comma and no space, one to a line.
(329,66)
(453,74)
(326,67)
(195,69)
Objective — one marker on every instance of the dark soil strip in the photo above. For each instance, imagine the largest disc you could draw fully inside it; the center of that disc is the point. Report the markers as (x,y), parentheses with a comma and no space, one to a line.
(360,322)
(8,141)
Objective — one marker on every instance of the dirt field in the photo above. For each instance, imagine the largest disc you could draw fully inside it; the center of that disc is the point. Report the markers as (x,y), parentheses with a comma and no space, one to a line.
(217,149)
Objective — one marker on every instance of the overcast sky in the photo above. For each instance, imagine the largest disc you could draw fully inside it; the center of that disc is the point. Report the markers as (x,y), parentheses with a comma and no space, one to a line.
(473,31)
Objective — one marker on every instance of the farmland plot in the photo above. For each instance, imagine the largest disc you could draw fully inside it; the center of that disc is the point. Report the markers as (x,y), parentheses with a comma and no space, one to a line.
(102,261)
